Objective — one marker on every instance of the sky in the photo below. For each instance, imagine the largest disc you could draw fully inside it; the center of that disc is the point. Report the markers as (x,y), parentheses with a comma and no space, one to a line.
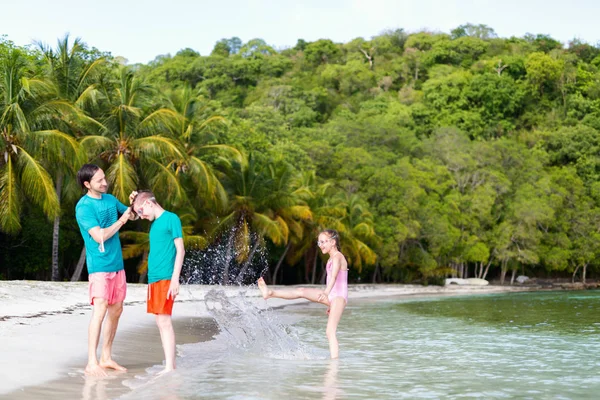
(141,30)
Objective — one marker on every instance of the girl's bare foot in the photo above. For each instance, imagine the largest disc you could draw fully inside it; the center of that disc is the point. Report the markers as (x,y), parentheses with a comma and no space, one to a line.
(165,371)
(264,290)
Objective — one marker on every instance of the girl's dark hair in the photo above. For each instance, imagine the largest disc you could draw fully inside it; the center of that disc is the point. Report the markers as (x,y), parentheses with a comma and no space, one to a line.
(85,174)
(333,234)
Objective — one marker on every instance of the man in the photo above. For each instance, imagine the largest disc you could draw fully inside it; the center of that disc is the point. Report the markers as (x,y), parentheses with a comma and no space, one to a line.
(100,216)
(164,266)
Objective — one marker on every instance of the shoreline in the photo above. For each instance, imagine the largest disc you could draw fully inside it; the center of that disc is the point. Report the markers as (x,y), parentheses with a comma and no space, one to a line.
(43,330)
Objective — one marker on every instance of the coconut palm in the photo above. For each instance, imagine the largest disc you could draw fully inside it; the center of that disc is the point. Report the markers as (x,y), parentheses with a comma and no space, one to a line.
(251,214)
(28,150)
(135,141)
(195,121)
(333,209)
(358,229)
(72,78)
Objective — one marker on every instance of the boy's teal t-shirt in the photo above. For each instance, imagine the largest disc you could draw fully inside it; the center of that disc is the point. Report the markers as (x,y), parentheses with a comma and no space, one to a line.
(161,260)
(91,212)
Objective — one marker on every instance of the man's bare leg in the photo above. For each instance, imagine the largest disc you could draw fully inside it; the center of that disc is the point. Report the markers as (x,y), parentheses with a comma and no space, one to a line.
(167,337)
(93,368)
(110,329)
(335,315)
(291,294)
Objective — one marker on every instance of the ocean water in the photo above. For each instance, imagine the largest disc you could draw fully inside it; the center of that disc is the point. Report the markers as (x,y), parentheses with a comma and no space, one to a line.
(543,345)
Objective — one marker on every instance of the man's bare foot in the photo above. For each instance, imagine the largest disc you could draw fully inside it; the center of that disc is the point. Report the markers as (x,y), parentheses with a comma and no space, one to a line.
(264,290)
(95,370)
(112,365)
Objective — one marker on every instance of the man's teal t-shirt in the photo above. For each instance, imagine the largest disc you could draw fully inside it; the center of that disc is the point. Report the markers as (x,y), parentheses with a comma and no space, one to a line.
(161,260)
(91,212)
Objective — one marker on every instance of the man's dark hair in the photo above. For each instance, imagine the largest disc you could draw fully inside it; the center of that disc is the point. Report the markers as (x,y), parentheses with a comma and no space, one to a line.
(85,174)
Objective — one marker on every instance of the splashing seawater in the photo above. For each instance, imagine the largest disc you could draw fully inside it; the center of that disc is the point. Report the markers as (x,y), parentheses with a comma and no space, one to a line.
(254,330)
(222,263)
(249,334)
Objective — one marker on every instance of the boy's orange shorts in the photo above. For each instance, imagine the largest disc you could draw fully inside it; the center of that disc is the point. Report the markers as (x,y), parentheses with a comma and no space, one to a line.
(157,298)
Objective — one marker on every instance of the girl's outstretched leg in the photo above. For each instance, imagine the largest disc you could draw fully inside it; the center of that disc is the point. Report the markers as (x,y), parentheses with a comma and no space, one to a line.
(291,294)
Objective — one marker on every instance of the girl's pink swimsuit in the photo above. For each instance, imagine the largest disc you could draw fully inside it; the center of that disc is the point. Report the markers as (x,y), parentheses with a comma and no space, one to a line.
(340,287)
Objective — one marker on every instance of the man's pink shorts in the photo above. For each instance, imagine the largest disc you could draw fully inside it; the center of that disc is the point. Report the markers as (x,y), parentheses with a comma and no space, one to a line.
(110,286)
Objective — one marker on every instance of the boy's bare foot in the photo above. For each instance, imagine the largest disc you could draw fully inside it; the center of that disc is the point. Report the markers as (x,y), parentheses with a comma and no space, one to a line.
(264,290)
(112,365)
(95,370)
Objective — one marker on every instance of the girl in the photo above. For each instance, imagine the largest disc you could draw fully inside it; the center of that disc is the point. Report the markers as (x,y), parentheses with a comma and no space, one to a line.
(335,295)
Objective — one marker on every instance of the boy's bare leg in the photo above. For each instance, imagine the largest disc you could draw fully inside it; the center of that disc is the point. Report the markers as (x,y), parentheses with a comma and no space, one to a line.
(110,329)
(93,368)
(167,337)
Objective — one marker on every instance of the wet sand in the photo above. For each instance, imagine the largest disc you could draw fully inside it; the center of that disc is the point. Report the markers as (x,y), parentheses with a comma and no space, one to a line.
(138,349)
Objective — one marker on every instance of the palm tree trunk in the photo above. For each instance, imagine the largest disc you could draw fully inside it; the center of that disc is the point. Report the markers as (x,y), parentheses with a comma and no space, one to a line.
(144,274)
(227,260)
(503,271)
(56,231)
(512,278)
(583,272)
(323,277)
(307,263)
(574,273)
(287,248)
(376,272)
(77,274)
(314,270)
(240,276)
(487,268)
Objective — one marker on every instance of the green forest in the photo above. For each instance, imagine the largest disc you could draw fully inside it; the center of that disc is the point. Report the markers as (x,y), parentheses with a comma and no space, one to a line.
(433,154)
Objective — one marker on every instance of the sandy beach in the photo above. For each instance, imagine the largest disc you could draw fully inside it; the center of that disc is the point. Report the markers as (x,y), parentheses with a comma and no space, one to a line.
(43,332)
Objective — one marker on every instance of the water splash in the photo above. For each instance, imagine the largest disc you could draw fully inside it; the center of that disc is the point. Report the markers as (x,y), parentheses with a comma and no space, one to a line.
(254,330)
(222,263)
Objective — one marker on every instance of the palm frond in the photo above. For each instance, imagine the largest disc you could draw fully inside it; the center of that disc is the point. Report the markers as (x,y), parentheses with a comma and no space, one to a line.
(59,148)
(157,147)
(271,228)
(164,181)
(122,178)
(37,184)
(10,207)
(195,242)
(94,145)
(134,250)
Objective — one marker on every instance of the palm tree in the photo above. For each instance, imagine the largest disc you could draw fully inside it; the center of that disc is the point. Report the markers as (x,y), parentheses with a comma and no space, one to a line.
(358,230)
(28,151)
(333,209)
(72,79)
(194,121)
(326,215)
(288,201)
(136,144)
(249,211)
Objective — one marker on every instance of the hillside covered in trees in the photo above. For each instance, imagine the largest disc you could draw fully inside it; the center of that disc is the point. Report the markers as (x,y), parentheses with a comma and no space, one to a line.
(434,154)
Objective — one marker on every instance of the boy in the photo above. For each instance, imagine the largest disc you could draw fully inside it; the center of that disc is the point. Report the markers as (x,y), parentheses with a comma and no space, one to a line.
(164,266)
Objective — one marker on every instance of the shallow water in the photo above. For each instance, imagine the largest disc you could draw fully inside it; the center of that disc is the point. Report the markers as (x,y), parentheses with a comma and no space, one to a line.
(525,345)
